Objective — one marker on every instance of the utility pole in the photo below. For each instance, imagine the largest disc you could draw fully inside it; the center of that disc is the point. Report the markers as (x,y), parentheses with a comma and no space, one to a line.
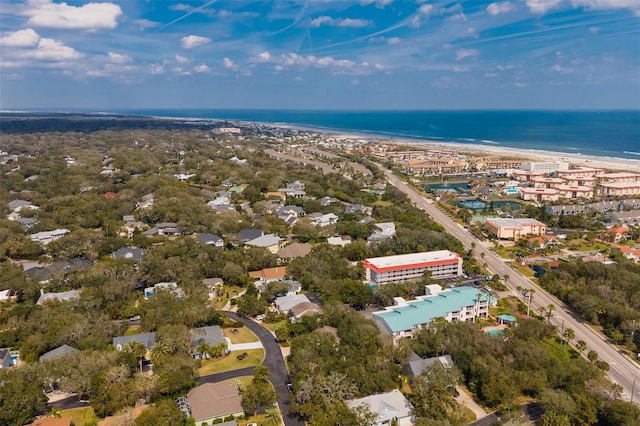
(633,388)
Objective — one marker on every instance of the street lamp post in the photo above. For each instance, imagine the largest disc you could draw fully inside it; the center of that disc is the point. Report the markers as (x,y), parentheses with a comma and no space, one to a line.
(528,302)
(633,388)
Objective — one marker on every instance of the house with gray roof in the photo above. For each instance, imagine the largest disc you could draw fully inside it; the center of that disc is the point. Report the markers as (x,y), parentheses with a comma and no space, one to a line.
(59,352)
(271,242)
(128,253)
(387,407)
(416,365)
(210,239)
(63,296)
(5,358)
(147,339)
(249,234)
(211,335)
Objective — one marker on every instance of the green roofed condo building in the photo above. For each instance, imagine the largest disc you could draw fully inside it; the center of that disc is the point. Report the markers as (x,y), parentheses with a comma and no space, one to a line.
(386,269)
(457,304)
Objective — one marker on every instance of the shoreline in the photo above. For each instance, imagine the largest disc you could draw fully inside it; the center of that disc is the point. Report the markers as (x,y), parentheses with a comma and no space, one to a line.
(575,159)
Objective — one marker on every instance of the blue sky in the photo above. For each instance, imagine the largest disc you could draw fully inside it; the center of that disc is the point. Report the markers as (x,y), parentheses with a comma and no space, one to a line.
(367,54)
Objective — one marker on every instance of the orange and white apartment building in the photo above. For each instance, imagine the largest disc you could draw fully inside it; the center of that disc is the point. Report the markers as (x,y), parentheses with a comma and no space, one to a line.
(619,184)
(386,269)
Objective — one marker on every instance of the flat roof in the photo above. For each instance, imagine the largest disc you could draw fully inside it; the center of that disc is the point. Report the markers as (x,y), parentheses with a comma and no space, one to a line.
(425,309)
(549,191)
(621,185)
(411,259)
(513,223)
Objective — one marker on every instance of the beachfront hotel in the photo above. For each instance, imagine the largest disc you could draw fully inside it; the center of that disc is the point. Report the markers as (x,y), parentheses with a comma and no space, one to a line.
(457,304)
(386,269)
(545,166)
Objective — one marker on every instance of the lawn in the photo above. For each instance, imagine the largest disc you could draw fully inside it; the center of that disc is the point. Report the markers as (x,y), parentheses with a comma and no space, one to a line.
(80,416)
(273,326)
(231,291)
(132,329)
(240,335)
(230,362)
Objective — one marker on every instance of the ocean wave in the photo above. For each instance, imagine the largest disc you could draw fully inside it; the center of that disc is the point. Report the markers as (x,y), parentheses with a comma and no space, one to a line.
(490,141)
(468,139)
(631,152)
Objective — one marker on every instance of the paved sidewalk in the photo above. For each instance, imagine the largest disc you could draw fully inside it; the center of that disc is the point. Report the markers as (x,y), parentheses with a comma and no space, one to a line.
(466,400)
(244,346)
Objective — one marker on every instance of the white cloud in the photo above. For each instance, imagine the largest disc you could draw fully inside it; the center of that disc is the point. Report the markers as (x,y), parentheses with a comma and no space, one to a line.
(466,53)
(299,79)
(156,69)
(52,50)
(91,16)
(426,9)
(262,58)
(117,58)
(415,21)
(201,68)
(633,5)
(229,64)
(498,8)
(458,17)
(21,38)
(460,69)
(340,22)
(145,23)
(393,40)
(561,69)
(381,4)
(182,59)
(442,83)
(189,42)
(594,30)
(355,82)
(540,7)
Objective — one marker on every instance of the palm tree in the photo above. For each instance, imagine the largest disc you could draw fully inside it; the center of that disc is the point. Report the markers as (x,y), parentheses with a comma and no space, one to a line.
(581,345)
(205,350)
(271,417)
(549,311)
(158,351)
(137,349)
(567,336)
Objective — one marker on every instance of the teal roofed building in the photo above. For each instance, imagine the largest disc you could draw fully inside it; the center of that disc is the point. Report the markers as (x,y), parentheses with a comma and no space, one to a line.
(457,304)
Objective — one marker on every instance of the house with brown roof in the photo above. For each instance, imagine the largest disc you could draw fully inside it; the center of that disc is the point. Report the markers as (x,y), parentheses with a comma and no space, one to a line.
(267,275)
(213,401)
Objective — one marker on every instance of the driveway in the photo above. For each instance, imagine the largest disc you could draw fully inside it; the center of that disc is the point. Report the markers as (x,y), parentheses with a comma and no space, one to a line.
(274,360)
(467,401)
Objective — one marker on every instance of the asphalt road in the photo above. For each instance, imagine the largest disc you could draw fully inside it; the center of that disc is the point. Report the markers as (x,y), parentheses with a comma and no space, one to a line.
(623,371)
(274,360)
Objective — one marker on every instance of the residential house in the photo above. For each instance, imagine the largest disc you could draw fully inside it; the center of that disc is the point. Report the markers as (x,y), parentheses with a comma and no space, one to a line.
(58,270)
(131,225)
(183,177)
(146,202)
(284,304)
(128,253)
(249,234)
(357,209)
(390,408)
(304,309)
(211,239)
(267,275)
(173,287)
(219,201)
(324,220)
(164,228)
(294,250)
(290,214)
(632,253)
(326,201)
(617,233)
(211,335)
(7,295)
(271,242)
(385,231)
(627,217)
(213,401)
(59,297)
(221,208)
(59,352)
(416,365)
(293,190)
(338,241)
(18,205)
(5,358)
(147,339)
(46,237)
(457,304)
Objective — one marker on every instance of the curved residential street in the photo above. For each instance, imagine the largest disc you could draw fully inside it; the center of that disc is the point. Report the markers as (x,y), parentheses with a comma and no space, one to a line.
(274,360)
(623,371)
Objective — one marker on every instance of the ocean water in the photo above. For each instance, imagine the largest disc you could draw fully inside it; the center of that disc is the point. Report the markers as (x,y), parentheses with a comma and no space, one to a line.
(603,134)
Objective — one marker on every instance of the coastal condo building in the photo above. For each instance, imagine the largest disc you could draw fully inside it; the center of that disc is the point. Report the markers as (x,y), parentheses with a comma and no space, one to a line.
(386,269)
(458,304)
